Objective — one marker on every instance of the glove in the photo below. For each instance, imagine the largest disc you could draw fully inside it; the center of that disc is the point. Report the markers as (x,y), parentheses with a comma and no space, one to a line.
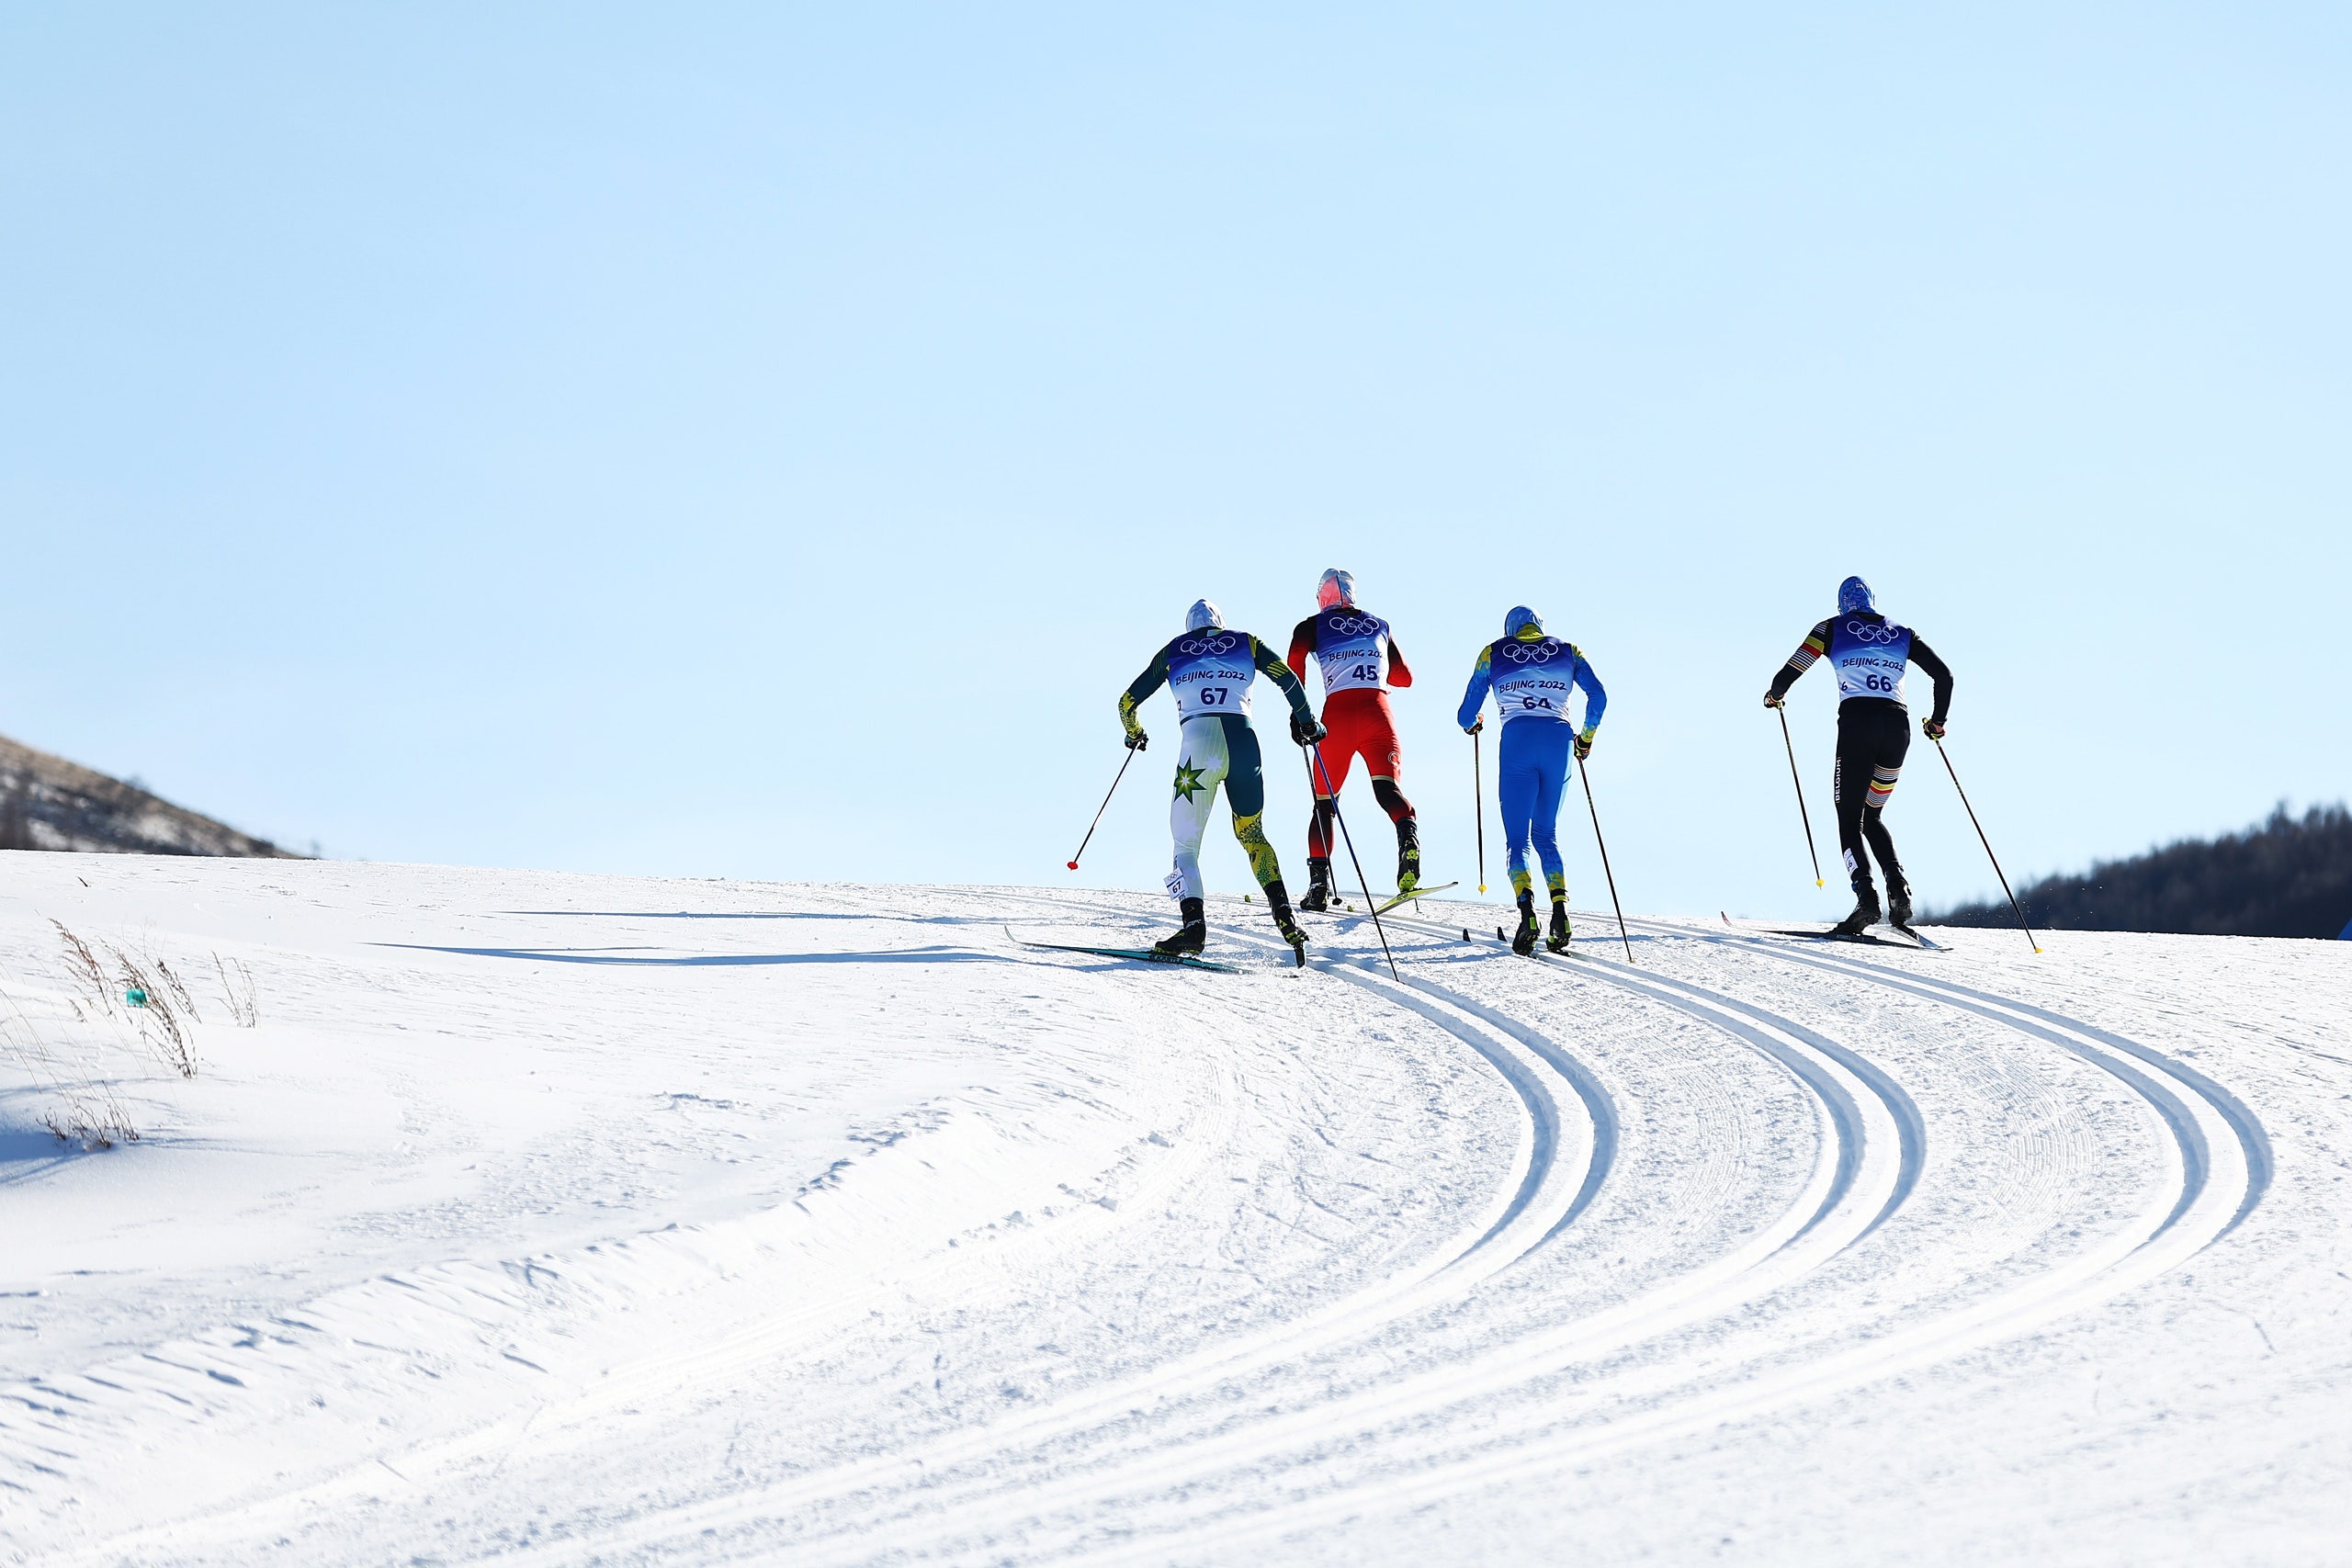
(1306,730)
(1583,747)
(1475,728)
(1137,741)
(1774,699)
(1933,729)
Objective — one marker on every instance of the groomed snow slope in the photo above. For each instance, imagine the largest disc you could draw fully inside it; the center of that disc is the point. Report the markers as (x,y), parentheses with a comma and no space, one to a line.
(558,1220)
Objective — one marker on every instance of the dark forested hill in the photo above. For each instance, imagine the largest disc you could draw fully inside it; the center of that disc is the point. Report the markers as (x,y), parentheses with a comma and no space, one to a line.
(48,803)
(2289,876)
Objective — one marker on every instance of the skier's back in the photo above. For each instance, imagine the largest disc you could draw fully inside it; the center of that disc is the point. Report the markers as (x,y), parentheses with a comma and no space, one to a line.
(1208,671)
(1531,676)
(1870,655)
(1357,657)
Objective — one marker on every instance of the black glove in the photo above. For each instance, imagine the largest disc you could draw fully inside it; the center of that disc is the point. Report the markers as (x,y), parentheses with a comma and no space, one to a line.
(1934,729)
(1583,747)
(1475,728)
(1774,699)
(1138,741)
(1305,728)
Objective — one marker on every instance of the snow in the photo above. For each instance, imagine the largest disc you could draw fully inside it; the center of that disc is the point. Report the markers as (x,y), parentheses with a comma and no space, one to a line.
(547,1219)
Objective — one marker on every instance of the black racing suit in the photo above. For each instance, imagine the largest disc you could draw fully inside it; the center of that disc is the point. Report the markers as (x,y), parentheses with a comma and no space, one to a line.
(1873,736)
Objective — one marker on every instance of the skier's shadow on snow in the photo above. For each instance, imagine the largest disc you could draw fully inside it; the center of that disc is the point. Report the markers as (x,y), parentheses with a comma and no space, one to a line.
(714,960)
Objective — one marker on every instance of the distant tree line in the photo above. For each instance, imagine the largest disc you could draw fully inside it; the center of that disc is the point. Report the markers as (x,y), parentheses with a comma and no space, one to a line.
(2288,876)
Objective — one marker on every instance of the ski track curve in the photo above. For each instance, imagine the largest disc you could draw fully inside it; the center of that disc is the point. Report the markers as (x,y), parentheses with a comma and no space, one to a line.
(1854,1188)
(1546,1194)
(2211,1197)
(1050,1492)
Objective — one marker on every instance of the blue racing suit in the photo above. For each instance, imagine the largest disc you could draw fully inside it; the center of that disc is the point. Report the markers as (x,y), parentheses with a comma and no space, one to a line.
(1530,678)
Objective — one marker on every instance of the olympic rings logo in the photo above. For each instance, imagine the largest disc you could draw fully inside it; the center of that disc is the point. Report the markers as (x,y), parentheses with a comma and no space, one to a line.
(1200,644)
(1354,626)
(1872,631)
(1523,653)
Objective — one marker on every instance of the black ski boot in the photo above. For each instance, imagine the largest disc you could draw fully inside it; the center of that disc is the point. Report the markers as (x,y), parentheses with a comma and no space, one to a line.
(1898,900)
(1318,885)
(1523,942)
(1558,939)
(1866,912)
(1190,938)
(1278,905)
(1408,854)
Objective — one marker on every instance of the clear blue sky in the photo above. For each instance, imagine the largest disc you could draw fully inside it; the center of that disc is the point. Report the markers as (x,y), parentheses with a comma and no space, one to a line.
(762,441)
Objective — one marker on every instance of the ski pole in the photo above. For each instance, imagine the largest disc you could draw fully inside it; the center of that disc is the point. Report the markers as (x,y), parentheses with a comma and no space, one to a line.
(1371,904)
(1102,808)
(1583,772)
(1985,841)
(1478,807)
(1802,815)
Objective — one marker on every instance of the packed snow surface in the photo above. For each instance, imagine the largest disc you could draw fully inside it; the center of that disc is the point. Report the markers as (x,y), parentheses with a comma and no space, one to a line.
(547,1219)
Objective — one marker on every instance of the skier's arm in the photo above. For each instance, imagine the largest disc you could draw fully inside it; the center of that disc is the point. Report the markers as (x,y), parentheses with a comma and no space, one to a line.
(1398,673)
(1941,674)
(1596,701)
(1302,643)
(1481,678)
(1816,643)
(1154,676)
(1277,671)
(1303,725)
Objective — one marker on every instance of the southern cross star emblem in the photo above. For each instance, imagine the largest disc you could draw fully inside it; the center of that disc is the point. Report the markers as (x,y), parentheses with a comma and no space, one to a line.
(1188,781)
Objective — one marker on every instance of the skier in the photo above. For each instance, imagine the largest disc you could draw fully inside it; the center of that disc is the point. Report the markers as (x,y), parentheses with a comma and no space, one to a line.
(1208,671)
(1529,675)
(1870,653)
(1355,653)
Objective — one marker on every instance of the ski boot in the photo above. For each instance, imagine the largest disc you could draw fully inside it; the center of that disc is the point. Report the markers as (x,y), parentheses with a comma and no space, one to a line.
(1191,937)
(1898,900)
(1278,905)
(1866,912)
(1558,939)
(1408,854)
(1318,885)
(1523,942)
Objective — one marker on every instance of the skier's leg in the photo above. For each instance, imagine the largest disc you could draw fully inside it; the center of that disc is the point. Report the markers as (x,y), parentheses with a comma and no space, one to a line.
(1515,788)
(1551,785)
(1519,779)
(1245,792)
(1895,743)
(1858,750)
(1201,761)
(1382,760)
(1547,839)
(1321,828)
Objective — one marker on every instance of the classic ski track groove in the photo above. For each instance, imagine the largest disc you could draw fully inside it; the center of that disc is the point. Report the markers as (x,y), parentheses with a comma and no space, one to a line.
(1834,1202)
(1867,1166)
(2130,1258)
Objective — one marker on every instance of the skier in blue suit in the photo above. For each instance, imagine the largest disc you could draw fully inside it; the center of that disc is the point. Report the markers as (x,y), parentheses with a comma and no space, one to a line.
(1531,676)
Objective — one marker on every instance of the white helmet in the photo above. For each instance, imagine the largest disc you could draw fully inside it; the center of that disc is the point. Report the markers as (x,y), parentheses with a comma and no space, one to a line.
(1336,588)
(1202,615)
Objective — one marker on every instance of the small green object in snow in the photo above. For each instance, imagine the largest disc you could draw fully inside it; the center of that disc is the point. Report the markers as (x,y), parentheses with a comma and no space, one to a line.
(135,997)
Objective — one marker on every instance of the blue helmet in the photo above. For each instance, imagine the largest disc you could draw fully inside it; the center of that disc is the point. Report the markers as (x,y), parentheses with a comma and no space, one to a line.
(1519,619)
(1855,595)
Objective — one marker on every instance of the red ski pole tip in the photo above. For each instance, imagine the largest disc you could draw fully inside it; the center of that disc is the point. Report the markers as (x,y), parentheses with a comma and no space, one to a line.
(1073,865)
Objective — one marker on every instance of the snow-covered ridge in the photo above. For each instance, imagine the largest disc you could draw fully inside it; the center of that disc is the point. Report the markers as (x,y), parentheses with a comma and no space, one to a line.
(555,1219)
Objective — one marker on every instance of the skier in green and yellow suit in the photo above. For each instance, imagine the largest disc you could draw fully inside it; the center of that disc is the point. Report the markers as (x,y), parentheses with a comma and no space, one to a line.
(1208,671)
